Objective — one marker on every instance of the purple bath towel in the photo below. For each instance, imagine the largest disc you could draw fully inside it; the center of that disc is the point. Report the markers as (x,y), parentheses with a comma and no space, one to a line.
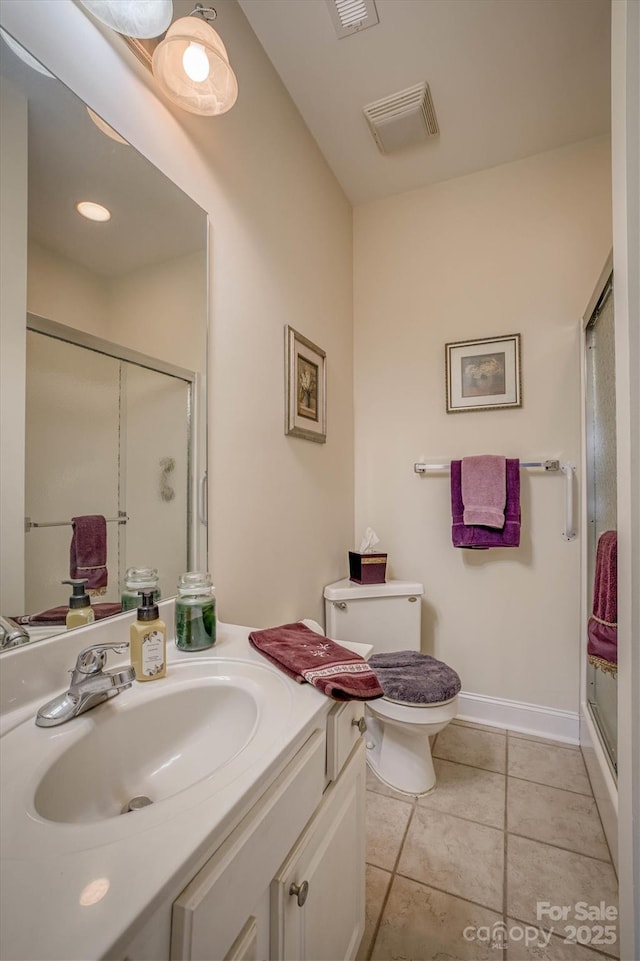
(88,553)
(480,537)
(484,490)
(602,647)
(415,678)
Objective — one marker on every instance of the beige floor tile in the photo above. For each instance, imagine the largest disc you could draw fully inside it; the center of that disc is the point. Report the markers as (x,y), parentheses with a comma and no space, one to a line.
(426,925)
(544,740)
(377,884)
(386,822)
(555,817)
(547,764)
(479,727)
(375,784)
(466,745)
(467,792)
(539,873)
(457,856)
(546,947)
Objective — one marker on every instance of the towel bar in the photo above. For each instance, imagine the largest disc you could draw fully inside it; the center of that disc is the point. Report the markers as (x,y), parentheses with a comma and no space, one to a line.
(569,531)
(549,465)
(122,518)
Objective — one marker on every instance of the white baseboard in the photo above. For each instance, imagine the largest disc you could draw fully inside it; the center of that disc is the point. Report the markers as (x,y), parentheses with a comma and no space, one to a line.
(520,716)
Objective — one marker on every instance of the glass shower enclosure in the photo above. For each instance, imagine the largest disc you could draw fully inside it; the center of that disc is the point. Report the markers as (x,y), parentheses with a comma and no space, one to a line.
(602,693)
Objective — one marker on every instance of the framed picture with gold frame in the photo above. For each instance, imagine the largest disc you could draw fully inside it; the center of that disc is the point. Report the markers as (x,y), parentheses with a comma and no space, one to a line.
(483,374)
(305,388)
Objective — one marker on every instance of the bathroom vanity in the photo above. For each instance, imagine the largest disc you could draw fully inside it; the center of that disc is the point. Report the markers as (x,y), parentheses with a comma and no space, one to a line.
(253,848)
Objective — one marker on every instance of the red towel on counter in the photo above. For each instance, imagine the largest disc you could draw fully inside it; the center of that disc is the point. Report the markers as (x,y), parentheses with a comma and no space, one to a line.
(88,553)
(307,656)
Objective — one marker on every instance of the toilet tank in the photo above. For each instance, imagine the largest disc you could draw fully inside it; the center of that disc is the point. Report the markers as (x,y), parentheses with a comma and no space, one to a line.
(385,615)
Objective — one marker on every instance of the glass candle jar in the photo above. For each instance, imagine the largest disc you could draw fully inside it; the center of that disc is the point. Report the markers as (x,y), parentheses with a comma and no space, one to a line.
(139,579)
(195,612)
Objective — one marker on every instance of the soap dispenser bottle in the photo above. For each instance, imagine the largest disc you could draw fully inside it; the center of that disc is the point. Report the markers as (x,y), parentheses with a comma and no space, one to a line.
(148,641)
(80,611)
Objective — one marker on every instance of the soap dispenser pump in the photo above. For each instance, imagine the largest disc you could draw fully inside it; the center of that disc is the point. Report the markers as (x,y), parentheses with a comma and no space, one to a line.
(148,643)
(80,611)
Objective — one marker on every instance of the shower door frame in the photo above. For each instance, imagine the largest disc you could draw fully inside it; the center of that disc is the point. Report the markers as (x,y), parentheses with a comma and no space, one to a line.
(601,772)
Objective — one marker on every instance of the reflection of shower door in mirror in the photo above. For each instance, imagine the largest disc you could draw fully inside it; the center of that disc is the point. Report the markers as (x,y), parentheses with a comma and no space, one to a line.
(103,436)
(602,695)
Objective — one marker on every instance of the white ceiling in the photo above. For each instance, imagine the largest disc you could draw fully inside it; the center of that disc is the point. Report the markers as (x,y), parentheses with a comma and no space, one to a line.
(509,78)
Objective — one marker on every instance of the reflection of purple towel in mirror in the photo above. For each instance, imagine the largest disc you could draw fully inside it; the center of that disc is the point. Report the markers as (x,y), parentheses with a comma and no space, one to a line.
(463,535)
(603,623)
(57,615)
(88,552)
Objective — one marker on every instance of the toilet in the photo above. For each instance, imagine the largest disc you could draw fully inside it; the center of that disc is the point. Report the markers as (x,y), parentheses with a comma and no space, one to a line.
(399,724)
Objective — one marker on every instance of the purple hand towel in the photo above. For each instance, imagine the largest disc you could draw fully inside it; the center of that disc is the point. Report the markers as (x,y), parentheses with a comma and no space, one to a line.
(88,553)
(305,655)
(602,647)
(483,537)
(484,490)
(57,615)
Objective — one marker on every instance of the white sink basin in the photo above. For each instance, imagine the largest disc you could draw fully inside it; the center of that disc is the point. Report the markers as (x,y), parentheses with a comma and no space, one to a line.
(176,741)
(155,747)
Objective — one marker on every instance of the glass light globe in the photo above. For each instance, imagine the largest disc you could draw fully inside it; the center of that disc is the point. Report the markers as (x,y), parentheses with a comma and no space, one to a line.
(196,62)
(105,128)
(178,65)
(134,18)
(24,55)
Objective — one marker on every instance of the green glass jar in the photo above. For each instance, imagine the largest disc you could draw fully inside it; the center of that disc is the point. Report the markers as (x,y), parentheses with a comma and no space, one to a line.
(195,612)
(135,580)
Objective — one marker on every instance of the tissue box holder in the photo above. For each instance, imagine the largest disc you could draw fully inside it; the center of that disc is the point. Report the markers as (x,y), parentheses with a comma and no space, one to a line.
(367,568)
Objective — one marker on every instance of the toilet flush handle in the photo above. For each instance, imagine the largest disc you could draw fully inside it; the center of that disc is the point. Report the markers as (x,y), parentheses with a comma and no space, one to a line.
(341,605)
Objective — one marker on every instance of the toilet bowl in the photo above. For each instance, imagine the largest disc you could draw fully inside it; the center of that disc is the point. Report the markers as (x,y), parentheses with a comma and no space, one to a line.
(398,745)
(420,692)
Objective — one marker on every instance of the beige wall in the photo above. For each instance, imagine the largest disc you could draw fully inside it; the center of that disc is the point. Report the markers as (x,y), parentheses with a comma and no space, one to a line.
(281,509)
(61,290)
(512,249)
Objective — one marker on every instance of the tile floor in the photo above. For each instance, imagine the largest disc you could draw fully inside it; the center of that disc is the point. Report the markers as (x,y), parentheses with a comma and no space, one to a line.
(458,874)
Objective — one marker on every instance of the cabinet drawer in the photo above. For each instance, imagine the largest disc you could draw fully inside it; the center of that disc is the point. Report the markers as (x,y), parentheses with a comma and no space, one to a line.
(212,909)
(342,733)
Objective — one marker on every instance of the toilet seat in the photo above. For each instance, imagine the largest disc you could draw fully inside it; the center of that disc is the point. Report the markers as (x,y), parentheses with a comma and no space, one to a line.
(415,714)
(412,679)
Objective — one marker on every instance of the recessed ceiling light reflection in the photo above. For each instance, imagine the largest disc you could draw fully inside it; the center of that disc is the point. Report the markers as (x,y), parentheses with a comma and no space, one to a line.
(93,211)
(94,891)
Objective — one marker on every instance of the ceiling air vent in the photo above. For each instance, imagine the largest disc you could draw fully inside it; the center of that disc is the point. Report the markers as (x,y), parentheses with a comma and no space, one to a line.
(403,119)
(350,16)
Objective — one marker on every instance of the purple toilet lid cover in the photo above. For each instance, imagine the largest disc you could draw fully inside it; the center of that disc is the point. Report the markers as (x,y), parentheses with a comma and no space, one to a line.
(415,678)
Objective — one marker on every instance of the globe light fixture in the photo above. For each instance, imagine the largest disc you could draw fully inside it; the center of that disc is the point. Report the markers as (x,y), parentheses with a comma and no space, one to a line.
(192,67)
(133,18)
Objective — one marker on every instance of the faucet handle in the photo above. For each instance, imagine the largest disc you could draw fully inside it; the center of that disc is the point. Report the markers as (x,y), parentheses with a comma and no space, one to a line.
(92,659)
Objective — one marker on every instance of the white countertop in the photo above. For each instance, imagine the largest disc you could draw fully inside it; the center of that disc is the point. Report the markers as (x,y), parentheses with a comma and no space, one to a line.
(49,870)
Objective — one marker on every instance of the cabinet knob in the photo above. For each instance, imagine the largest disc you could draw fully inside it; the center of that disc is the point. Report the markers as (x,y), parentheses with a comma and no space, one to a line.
(360,723)
(300,891)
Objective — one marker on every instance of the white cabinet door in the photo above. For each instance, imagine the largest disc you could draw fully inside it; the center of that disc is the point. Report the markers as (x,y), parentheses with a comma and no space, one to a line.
(317,898)
(214,906)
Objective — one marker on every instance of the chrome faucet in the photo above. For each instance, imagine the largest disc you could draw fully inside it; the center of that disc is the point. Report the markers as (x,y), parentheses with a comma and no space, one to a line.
(11,633)
(90,685)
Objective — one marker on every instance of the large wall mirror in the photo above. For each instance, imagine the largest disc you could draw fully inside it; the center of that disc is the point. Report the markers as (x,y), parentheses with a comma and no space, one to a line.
(107,332)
